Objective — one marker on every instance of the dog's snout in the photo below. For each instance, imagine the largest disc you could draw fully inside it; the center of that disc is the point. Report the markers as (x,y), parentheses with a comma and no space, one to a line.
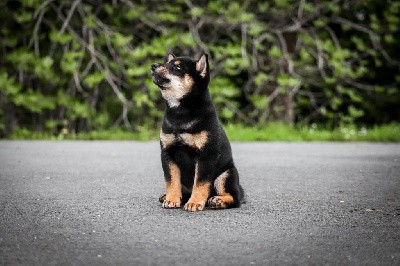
(154,66)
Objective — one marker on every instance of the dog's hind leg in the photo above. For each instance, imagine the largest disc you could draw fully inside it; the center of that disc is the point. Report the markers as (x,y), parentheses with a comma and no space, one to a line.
(229,193)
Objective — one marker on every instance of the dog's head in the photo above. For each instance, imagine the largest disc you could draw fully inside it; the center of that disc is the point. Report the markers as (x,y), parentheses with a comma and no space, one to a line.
(179,77)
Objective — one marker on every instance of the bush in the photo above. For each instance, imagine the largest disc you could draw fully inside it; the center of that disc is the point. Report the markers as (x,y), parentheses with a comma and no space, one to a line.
(79,66)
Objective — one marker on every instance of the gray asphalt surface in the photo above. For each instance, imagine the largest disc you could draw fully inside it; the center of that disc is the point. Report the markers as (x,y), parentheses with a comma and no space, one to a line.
(95,203)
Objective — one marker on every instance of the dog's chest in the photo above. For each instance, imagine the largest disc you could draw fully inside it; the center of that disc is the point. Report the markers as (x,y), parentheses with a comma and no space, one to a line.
(196,140)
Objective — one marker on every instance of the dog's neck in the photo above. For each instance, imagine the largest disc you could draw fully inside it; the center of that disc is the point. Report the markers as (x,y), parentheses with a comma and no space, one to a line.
(189,103)
(190,107)
(173,103)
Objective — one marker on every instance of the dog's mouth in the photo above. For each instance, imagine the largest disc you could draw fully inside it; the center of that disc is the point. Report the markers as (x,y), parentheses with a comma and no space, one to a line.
(160,81)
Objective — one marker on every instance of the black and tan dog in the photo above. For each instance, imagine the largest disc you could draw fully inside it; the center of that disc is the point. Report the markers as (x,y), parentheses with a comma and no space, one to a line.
(195,152)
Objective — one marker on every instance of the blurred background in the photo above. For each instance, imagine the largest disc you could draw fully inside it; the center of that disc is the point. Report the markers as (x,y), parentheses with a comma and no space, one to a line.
(70,68)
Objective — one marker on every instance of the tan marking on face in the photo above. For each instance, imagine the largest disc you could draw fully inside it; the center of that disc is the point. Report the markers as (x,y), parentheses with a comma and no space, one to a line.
(187,83)
(166,139)
(200,193)
(162,70)
(177,88)
(196,141)
(173,188)
(219,183)
(177,62)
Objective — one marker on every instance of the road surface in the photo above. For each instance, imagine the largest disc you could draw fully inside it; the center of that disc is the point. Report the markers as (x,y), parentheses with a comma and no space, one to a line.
(96,203)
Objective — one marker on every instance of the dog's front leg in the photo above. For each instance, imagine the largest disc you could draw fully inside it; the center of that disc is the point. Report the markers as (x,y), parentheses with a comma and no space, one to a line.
(173,185)
(201,188)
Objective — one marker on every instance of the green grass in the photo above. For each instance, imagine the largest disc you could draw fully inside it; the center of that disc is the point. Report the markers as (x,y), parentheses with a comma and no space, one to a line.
(112,134)
(237,132)
(282,132)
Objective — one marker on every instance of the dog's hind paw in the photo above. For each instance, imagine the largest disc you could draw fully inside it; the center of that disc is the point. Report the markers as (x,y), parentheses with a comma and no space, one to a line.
(220,202)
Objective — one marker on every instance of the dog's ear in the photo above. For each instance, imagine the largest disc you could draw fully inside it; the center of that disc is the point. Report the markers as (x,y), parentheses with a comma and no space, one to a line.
(202,65)
(169,57)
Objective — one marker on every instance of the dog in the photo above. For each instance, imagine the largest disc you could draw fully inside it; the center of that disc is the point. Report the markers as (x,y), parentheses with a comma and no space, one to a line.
(196,154)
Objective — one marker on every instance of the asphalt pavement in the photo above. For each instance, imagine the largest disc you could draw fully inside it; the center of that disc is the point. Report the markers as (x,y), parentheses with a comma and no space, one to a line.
(96,203)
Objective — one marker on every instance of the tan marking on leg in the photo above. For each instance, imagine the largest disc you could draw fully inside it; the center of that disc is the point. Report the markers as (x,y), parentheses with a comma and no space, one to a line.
(219,183)
(173,188)
(224,199)
(200,194)
(197,141)
(166,139)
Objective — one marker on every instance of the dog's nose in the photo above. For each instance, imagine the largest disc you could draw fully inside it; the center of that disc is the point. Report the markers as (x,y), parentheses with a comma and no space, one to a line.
(154,66)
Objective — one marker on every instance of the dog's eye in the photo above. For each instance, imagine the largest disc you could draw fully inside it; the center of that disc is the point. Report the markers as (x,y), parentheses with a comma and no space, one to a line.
(177,67)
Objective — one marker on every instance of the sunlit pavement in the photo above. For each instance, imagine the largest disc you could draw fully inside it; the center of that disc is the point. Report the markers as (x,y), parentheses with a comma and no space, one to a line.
(97,203)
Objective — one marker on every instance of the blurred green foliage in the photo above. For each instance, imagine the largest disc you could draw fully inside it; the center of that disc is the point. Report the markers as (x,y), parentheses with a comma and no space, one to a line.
(79,66)
(274,131)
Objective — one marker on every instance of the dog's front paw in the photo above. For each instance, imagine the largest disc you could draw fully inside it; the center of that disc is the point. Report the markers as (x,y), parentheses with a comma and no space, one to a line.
(170,204)
(194,206)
